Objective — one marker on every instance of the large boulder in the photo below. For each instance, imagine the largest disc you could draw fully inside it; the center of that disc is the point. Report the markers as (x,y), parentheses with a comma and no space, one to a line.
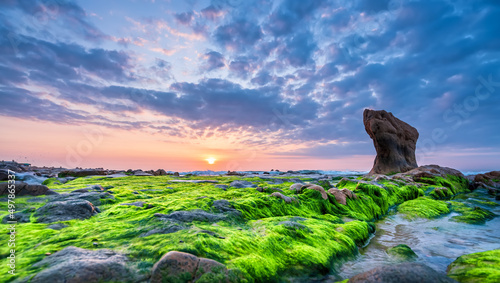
(394,140)
(404,272)
(23,189)
(78,265)
(65,210)
(183,267)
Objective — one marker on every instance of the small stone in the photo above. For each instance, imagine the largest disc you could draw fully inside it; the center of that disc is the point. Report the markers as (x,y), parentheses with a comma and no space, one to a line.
(181,241)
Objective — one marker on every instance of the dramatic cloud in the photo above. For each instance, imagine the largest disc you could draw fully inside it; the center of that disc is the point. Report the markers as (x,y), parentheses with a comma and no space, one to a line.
(300,72)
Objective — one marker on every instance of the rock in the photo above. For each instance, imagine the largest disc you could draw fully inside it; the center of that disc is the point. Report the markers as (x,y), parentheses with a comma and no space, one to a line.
(260,189)
(341,195)
(404,272)
(4,175)
(402,252)
(57,226)
(65,210)
(429,171)
(283,197)
(224,206)
(142,173)
(78,265)
(319,189)
(160,172)
(20,217)
(94,197)
(191,215)
(394,140)
(81,173)
(176,174)
(138,204)
(183,267)
(234,173)
(222,187)
(23,189)
(242,184)
(297,187)
(294,225)
(165,230)
(476,267)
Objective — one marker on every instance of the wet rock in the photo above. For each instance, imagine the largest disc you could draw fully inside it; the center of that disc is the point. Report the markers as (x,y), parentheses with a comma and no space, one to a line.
(160,172)
(404,272)
(81,173)
(20,217)
(78,265)
(4,175)
(297,187)
(394,140)
(224,206)
(342,195)
(142,173)
(164,230)
(234,173)
(319,189)
(191,215)
(65,210)
(402,252)
(183,267)
(23,189)
(283,197)
(57,226)
(138,204)
(94,197)
(222,187)
(242,184)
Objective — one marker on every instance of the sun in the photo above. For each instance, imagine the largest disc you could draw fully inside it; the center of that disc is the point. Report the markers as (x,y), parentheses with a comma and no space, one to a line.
(210,160)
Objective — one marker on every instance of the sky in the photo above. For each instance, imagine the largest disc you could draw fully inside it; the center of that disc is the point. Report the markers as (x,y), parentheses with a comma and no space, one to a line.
(257,84)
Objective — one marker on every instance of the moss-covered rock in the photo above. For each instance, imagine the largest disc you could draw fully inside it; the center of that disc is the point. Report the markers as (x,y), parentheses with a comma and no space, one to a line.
(476,267)
(423,207)
(402,252)
(470,214)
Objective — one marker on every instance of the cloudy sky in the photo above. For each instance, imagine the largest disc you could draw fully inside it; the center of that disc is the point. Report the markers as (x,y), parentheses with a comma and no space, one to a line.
(255,84)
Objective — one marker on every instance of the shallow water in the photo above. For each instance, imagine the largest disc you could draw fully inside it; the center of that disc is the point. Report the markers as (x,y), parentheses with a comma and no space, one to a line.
(437,242)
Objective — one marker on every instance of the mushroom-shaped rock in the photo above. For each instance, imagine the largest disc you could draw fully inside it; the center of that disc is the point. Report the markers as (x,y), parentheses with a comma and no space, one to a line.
(283,197)
(394,140)
(319,189)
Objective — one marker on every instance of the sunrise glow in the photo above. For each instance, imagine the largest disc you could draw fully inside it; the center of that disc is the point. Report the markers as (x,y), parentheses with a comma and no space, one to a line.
(211,160)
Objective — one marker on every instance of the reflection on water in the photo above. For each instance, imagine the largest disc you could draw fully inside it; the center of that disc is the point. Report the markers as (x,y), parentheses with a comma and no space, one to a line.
(437,242)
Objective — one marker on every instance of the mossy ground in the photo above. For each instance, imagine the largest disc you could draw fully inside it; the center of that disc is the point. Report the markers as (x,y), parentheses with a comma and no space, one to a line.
(476,267)
(259,243)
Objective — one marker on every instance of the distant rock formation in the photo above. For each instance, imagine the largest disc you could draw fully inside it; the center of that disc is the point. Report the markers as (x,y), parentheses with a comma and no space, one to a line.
(394,140)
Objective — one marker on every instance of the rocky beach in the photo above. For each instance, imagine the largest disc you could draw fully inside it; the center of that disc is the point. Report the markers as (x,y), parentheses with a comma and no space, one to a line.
(399,223)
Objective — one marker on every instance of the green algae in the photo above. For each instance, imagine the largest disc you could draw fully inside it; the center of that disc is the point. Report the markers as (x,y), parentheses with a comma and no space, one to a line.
(476,267)
(423,207)
(471,215)
(402,252)
(268,240)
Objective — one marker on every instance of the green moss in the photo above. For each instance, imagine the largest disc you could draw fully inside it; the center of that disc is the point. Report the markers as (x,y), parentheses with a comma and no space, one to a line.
(402,252)
(476,267)
(423,207)
(471,215)
(441,193)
